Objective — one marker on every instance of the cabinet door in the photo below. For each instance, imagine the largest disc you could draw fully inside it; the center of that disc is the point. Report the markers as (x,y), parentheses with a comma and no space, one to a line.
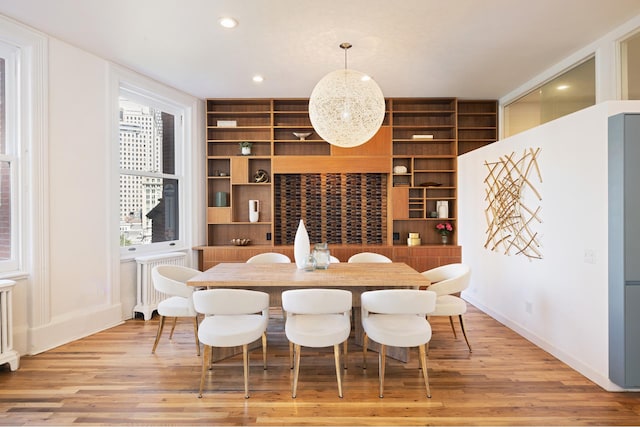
(239,170)
(400,202)
(631,197)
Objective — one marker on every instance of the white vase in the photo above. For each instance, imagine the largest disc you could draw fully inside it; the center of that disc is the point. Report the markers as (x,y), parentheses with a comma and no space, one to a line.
(254,210)
(301,246)
(443,208)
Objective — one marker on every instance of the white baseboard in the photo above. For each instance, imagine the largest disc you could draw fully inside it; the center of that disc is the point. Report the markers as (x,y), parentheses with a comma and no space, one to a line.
(601,380)
(70,327)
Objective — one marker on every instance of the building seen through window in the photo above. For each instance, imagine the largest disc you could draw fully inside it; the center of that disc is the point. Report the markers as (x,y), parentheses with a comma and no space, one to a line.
(5,176)
(149,187)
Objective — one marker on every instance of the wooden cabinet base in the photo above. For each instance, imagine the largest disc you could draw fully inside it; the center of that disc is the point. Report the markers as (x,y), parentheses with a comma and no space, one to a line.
(420,258)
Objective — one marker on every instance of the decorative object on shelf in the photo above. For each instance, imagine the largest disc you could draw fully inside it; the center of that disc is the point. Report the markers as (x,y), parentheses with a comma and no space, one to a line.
(240,242)
(261,176)
(221,199)
(430,184)
(322,256)
(414,239)
(442,206)
(227,123)
(301,246)
(444,228)
(433,214)
(302,136)
(399,169)
(513,210)
(254,210)
(346,107)
(245,148)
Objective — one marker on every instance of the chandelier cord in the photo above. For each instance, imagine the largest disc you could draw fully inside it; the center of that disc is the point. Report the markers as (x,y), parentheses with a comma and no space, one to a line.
(345,59)
(345,46)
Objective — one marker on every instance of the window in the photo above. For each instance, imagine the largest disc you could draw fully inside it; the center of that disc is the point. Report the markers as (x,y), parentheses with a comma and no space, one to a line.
(9,162)
(571,91)
(150,177)
(630,60)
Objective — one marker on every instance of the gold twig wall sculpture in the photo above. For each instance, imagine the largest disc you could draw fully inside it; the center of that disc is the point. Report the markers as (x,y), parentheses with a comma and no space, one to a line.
(513,208)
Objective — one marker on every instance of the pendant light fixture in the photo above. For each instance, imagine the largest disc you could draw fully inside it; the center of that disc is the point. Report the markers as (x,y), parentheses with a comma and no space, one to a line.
(346,107)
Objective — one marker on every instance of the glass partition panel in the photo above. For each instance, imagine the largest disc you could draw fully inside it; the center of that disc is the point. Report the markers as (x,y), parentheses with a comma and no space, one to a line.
(630,67)
(571,91)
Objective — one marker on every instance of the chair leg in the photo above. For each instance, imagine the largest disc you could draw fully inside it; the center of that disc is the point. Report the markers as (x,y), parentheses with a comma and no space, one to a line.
(158,334)
(382,362)
(195,332)
(264,351)
(423,363)
(365,343)
(464,333)
(245,364)
(336,355)
(296,370)
(290,355)
(206,360)
(173,327)
(345,353)
(452,328)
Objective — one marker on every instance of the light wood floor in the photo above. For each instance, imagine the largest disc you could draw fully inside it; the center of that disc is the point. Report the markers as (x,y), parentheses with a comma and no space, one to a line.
(111,378)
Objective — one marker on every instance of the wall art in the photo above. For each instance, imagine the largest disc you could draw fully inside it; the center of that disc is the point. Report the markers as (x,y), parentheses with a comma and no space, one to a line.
(513,210)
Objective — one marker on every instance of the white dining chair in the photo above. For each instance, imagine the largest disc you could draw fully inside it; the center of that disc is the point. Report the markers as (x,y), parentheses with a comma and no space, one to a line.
(333,260)
(397,317)
(368,257)
(268,258)
(172,281)
(447,281)
(233,317)
(317,318)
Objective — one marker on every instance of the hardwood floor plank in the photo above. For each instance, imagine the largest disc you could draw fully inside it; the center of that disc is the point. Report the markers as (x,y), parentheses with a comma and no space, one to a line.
(111,378)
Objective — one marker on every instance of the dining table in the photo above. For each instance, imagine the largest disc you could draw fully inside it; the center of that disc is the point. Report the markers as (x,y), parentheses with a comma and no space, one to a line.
(274,278)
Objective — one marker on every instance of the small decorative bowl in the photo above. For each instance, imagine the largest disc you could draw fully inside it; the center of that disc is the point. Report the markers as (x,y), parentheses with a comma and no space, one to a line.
(302,135)
(241,242)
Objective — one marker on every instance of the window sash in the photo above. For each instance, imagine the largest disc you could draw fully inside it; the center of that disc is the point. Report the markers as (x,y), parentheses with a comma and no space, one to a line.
(167,232)
(10,219)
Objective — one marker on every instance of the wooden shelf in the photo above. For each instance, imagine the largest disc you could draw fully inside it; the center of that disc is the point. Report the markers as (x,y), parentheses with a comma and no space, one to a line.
(477,124)
(457,126)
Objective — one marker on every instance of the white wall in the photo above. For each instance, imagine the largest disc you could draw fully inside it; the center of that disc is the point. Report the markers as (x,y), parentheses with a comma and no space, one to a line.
(85,290)
(558,302)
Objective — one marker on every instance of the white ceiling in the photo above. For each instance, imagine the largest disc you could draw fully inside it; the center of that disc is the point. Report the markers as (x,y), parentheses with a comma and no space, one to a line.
(462,48)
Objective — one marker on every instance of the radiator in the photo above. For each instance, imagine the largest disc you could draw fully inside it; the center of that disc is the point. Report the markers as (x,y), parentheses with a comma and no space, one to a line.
(7,353)
(147,297)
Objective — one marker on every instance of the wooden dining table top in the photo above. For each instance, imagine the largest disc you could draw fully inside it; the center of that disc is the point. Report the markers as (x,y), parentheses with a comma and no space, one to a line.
(359,275)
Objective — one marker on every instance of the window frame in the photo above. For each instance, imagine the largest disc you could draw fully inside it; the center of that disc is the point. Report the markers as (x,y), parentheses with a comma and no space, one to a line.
(156,100)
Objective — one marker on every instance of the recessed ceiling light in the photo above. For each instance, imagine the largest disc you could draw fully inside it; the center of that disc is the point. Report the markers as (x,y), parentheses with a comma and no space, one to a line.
(228,22)
(563,87)
(258,78)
